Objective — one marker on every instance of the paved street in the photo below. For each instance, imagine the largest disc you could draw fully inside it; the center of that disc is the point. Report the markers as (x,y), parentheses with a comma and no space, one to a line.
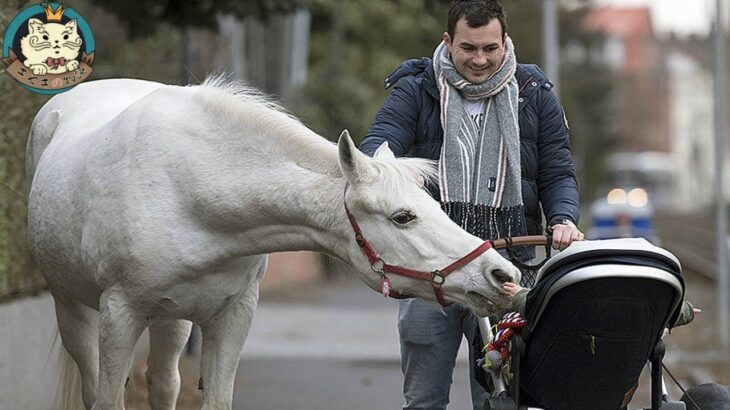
(317,347)
(28,353)
(326,347)
(313,384)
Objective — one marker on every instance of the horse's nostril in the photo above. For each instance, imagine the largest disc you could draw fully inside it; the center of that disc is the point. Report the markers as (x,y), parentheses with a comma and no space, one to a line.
(501,275)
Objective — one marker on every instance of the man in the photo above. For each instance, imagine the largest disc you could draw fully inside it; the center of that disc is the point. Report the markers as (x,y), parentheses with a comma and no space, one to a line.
(501,139)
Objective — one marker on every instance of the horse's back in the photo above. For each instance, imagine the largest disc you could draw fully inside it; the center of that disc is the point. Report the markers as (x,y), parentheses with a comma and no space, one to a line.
(121,191)
(70,221)
(81,109)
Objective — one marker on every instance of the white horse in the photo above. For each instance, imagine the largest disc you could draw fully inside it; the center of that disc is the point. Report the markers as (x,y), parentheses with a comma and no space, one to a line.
(156,205)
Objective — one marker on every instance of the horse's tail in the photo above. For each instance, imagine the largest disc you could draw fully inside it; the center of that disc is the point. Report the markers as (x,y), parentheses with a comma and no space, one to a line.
(68,391)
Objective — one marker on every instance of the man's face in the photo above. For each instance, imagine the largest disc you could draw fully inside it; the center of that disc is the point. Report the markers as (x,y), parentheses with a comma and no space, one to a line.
(476,52)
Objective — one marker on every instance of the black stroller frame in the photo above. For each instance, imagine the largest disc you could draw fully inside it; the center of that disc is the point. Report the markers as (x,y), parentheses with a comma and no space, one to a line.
(595,317)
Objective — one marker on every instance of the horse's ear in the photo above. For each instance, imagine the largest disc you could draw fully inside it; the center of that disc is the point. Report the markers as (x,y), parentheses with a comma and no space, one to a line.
(384,152)
(352,162)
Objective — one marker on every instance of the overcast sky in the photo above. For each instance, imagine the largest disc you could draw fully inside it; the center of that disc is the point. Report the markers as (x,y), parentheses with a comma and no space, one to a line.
(680,16)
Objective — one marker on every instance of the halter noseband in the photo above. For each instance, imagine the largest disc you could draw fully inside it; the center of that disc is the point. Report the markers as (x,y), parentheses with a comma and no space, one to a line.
(436,277)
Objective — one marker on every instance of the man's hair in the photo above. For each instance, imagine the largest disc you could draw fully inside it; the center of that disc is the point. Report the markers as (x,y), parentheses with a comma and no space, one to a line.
(478,13)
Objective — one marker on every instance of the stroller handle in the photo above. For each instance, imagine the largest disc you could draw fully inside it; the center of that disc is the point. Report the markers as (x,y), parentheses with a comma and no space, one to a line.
(532,240)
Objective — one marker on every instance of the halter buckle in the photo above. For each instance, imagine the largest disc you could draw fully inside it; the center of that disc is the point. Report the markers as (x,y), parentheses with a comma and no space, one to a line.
(378,266)
(437,278)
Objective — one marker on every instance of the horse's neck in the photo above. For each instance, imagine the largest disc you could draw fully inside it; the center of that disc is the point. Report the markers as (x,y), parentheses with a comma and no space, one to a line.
(270,184)
(303,211)
(281,196)
(300,210)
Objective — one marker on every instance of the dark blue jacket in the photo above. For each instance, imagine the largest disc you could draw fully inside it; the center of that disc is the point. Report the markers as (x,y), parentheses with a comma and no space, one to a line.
(409,121)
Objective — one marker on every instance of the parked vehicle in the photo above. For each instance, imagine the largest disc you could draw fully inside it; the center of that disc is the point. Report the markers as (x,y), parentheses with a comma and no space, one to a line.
(623,213)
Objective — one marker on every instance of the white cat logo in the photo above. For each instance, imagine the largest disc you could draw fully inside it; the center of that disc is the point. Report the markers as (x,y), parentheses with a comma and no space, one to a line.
(56,48)
(51,47)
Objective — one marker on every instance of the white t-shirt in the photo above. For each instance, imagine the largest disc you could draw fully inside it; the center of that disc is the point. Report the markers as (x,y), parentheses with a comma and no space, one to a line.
(475,109)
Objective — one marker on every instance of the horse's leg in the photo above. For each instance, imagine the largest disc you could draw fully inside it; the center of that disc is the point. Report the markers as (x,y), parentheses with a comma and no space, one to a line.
(78,326)
(167,341)
(119,329)
(223,339)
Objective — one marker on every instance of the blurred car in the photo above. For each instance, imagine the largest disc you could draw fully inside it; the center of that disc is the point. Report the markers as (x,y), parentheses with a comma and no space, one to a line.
(623,213)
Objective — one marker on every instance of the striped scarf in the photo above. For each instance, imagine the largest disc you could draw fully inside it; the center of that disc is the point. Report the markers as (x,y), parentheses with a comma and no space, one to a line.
(479,169)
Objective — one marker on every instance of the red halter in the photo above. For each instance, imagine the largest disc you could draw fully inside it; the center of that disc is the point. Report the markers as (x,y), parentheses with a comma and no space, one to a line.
(436,277)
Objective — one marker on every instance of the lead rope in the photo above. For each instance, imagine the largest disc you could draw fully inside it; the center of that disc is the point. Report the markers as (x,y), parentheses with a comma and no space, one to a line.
(680,386)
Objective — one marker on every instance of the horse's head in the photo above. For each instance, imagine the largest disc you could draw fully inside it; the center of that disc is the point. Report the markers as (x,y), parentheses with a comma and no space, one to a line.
(407,228)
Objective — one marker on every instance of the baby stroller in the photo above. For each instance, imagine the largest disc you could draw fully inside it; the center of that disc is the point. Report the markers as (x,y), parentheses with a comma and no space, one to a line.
(594,318)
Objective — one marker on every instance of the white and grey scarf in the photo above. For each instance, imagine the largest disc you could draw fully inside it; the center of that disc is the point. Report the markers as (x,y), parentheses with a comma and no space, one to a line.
(479,169)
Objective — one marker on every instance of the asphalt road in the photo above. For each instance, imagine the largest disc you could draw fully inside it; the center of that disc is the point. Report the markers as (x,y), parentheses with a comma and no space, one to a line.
(335,346)
(328,384)
(327,347)
(314,347)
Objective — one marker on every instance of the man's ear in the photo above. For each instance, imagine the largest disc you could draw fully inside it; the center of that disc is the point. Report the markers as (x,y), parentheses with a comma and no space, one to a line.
(447,38)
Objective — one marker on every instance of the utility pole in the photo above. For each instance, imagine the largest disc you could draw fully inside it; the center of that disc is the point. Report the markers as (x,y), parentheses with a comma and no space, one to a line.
(723,281)
(550,46)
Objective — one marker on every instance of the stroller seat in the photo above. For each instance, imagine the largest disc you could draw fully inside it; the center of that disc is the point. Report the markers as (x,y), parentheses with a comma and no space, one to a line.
(595,316)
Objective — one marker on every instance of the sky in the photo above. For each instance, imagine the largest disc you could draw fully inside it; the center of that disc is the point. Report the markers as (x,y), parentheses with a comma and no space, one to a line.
(681,16)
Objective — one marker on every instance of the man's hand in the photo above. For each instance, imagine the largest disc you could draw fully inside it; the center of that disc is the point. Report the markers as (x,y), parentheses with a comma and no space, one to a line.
(565,234)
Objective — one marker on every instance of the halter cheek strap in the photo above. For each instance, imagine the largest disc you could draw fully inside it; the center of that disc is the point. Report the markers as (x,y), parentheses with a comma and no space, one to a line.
(436,277)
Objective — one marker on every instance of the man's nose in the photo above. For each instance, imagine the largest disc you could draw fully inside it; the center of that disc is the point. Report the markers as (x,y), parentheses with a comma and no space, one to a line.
(480,59)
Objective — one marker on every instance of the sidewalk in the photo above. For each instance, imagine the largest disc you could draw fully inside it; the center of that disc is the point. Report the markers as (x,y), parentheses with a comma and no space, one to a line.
(321,345)
(28,354)
(340,320)
(332,346)
(326,346)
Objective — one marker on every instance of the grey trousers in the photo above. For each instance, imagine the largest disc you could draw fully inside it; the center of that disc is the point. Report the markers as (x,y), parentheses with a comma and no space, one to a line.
(430,336)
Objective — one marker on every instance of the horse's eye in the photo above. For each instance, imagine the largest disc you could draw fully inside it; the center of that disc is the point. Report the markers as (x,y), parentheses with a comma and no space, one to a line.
(403,217)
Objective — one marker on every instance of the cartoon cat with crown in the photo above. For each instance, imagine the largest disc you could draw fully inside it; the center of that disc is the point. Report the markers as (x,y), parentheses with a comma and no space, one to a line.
(52,47)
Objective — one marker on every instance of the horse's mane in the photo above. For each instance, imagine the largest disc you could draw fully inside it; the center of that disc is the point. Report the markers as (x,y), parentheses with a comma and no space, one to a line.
(244,105)
(404,170)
